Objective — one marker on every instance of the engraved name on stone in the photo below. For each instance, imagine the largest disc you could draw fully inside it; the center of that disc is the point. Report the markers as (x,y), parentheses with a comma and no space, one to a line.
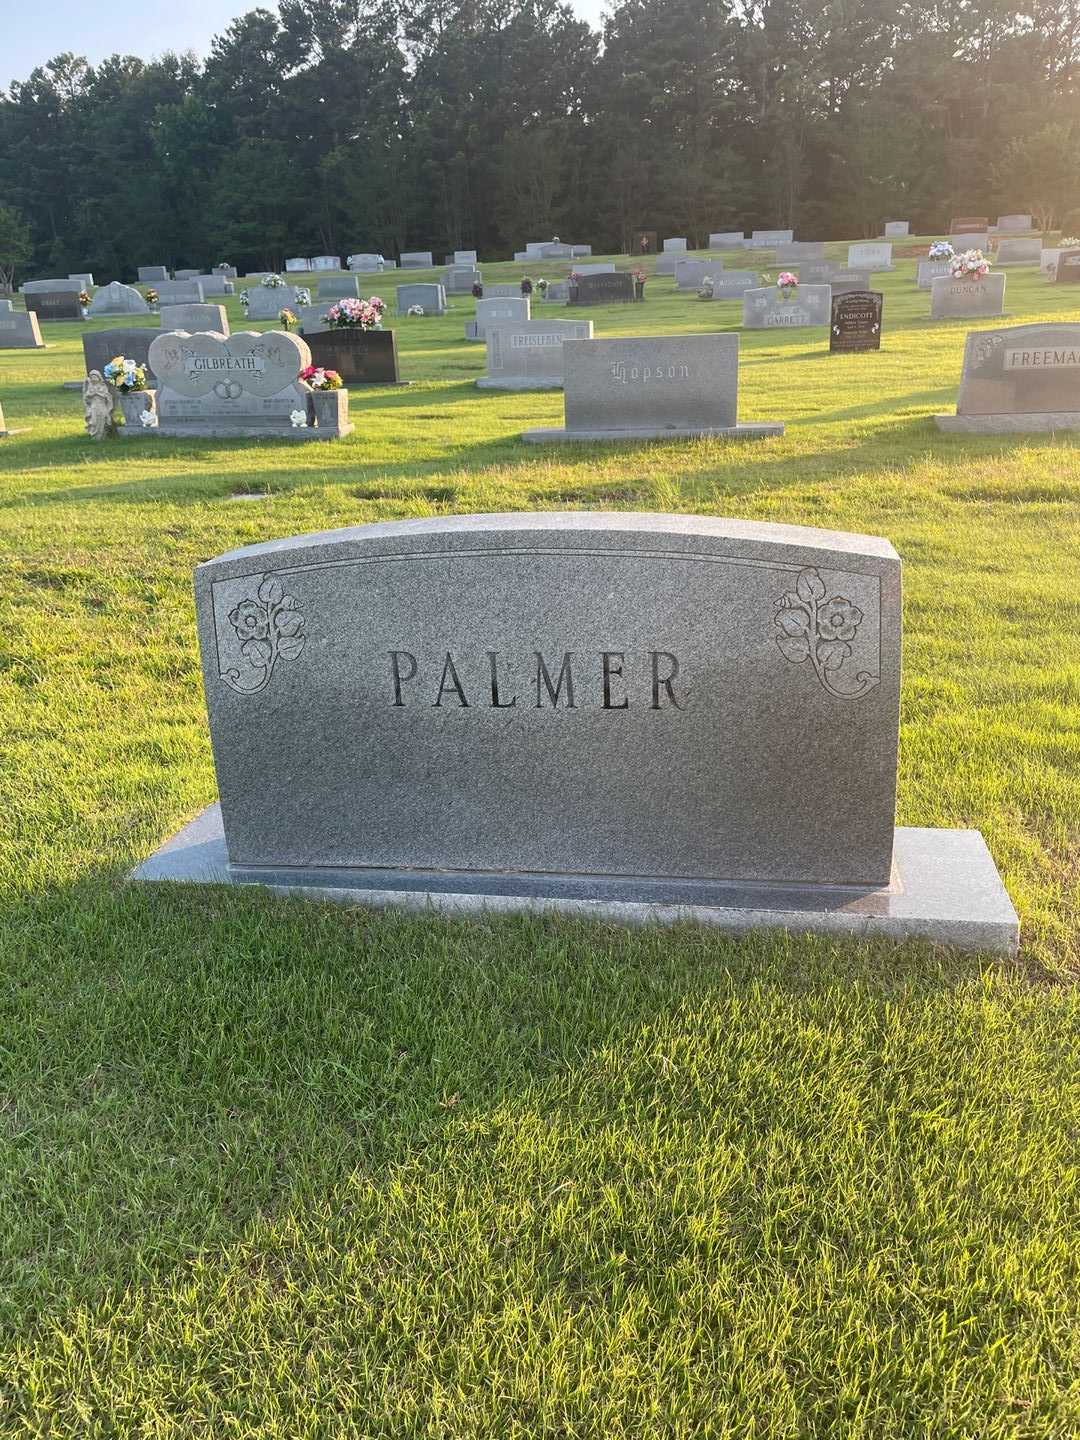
(626,373)
(1042,359)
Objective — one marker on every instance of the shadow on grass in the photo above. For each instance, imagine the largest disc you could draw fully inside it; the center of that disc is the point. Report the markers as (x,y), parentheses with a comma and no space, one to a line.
(184,1063)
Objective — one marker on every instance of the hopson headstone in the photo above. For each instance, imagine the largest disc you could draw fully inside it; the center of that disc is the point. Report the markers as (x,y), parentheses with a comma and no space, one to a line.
(870,255)
(18,330)
(1019,251)
(528,354)
(101,346)
(1024,378)
(652,386)
(430,298)
(856,321)
(967,299)
(194,318)
(117,299)
(767,308)
(621,715)
(246,385)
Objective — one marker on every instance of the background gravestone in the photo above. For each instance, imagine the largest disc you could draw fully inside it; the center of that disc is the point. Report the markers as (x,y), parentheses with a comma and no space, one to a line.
(54,304)
(326,262)
(431,298)
(417,260)
(227,272)
(843,282)
(767,308)
(897,229)
(613,289)
(870,255)
(966,299)
(856,321)
(459,279)
(194,318)
(498,312)
(180,292)
(465,257)
(101,346)
(185,274)
(727,240)
(690,273)
(1024,378)
(85,279)
(928,271)
(117,299)
(1067,271)
(151,274)
(732,284)
(361,357)
(265,302)
(527,354)
(298,265)
(769,239)
(215,285)
(1019,251)
(51,287)
(18,330)
(1014,222)
(339,287)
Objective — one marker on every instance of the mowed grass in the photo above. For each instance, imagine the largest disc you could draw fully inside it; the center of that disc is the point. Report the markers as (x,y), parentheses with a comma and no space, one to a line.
(276,1169)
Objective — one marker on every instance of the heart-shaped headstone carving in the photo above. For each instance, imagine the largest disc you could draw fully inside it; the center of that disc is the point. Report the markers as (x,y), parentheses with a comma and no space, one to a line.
(246,363)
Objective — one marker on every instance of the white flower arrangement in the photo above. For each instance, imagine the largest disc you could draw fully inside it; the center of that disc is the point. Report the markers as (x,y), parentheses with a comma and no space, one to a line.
(971,265)
(1069,242)
(303,295)
(706,288)
(245,299)
(299,419)
(415,310)
(148,419)
(273,282)
(940,250)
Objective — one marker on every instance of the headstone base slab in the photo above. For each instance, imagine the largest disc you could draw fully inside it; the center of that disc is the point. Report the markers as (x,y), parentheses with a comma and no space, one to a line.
(1008,424)
(946,890)
(247,432)
(521,382)
(760,431)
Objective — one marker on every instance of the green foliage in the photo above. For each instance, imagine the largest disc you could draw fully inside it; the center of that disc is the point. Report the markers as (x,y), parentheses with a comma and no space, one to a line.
(15,245)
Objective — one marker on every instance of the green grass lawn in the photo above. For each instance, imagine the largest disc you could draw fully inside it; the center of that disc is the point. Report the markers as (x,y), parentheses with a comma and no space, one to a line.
(276,1169)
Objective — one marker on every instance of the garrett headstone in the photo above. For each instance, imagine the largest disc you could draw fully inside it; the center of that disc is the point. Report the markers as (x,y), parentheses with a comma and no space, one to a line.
(856,321)
(194,318)
(117,299)
(613,289)
(967,299)
(768,309)
(528,355)
(719,701)
(1021,379)
(643,387)
(870,255)
(431,298)
(18,330)
(246,385)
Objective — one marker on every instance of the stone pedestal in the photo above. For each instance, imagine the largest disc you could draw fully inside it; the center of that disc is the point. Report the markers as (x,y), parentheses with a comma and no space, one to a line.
(329,410)
(133,405)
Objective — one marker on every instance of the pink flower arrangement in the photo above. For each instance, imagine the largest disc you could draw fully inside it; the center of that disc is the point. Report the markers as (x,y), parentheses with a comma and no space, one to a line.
(971,265)
(319,378)
(787,281)
(356,314)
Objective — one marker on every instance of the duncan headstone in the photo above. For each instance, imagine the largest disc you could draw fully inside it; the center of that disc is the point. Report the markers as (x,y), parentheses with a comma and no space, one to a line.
(967,299)
(1024,378)
(528,355)
(645,387)
(856,321)
(624,715)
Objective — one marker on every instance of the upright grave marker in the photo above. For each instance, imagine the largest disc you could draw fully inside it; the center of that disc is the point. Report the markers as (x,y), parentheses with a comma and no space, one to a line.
(194,318)
(417,260)
(361,357)
(769,309)
(54,304)
(1024,378)
(731,284)
(952,299)
(613,289)
(856,321)
(430,298)
(117,299)
(1067,269)
(151,274)
(266,302)
(528,354)
(1019,251)
(497,312)
(870,255)
(769,239)
(18,331)
(624,715)
(897,229)
(101,346)
(649,387)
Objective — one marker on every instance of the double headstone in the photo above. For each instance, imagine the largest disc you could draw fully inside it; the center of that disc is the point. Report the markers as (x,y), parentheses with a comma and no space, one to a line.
(769,239)
(298,264)
(967,299)
(727,240)
(645,387)
(731,284)
(1014,222)
(246,385)
(528,354)
(326,262)
(770,309)
(366,262)
(18,330)
(180,292)
(856,321)
(54,304)
(117,299)
(1025,378)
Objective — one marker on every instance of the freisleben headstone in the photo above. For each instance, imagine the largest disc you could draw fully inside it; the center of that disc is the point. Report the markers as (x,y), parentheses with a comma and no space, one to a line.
(623,714)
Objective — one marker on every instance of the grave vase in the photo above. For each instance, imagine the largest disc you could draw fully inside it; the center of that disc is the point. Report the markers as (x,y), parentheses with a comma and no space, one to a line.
(133,403)
(329,410)
(639,289)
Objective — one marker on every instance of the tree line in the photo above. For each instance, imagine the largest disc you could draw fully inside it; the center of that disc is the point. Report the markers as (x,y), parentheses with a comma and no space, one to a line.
(442,124)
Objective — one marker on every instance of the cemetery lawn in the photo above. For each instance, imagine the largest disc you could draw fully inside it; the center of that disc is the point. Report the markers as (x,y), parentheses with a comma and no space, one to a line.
(276,1169)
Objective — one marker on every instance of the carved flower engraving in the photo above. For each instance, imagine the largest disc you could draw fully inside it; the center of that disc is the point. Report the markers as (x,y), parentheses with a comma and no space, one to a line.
(270,628)
(818,627)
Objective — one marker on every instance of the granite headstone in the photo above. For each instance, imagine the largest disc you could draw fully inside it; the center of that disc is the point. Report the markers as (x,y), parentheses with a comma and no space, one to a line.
(194,318)
(767,308)
(527,355)
(430,298)
(1020,379)
(967,299)
(613,289)
(19,330)
(117,299)
(856,321)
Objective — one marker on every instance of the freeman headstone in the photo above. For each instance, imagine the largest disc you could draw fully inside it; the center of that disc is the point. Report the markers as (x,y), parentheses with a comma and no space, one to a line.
(645,387)
(719,700)
(528,355)
(856,321)
(967,299)
(770,309)
(1025,378)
